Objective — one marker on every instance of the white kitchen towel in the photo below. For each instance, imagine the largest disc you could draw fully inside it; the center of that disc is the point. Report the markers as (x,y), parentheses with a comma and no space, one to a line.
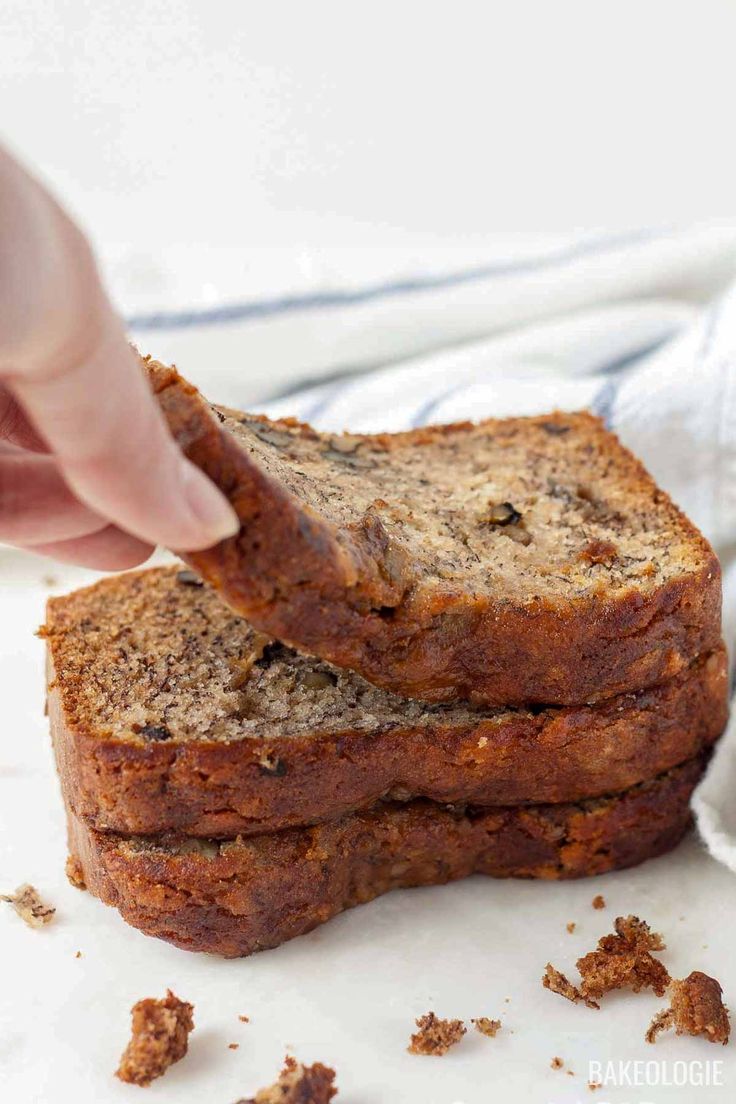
(641,328)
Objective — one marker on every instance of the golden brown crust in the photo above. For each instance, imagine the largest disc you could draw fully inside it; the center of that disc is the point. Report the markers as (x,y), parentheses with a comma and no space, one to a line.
(159,1037)
(249,894)
(696,1008)
(219,788)
(345,594)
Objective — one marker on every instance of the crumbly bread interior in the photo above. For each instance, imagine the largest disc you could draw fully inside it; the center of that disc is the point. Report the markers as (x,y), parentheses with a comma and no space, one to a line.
(526,507)
(157,655)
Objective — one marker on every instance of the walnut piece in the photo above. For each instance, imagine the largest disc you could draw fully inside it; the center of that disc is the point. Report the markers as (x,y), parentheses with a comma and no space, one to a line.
(159,1037)
(298,1084)
(696,1008)
(29,906)
(436,1036)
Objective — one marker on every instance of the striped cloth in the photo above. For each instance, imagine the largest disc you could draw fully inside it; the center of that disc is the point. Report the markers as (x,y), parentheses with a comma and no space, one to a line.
(640,327)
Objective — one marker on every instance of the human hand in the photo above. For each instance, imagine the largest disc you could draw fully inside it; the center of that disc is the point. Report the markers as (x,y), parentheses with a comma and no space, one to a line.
(88,471)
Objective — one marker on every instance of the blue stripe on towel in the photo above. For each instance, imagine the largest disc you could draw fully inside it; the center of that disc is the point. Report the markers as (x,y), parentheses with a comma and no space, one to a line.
(264,308)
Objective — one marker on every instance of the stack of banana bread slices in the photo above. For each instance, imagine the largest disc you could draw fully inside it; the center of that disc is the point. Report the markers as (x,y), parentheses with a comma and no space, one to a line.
(487,648)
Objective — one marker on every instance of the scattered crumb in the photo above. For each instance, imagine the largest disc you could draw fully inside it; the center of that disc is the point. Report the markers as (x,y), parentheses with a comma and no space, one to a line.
(507,1000)
(244,1019)
(621,960)
(436,1036)
(624,960)
(78,954)
(487,1027)
(298,1084)
(696,1008)
(556,982)
(593,1085)
(49,581)
(74,873)
(570,1073)
(29,906)
(598,902)
(556,1063)
(233,1046)
(571,926)
(159,1037)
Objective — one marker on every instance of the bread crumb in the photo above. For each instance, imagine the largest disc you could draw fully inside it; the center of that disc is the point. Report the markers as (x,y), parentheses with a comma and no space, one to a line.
(622,960)
(436,1036)
(696,1008)
(29,906)
(593,1085)
(571,926)
(570,1073)
(598,902)
(244,1019)
(159,1037)
(556,982)
(49,581)
(298,1084)
(556,1063)
(233,1046)
(74,873)
(78,954)
(487,1027)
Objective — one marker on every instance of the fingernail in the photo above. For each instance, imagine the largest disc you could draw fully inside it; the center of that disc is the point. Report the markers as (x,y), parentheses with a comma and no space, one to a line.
(212,510)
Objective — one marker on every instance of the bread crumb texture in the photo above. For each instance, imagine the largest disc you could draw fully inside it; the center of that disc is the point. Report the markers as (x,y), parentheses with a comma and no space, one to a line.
(436,1036)
(622,960)
(159,1037)
(696,1008)
(571,926)
(74,873)
(556,1063)
(598,902)
(29,906)
(298,1084)
(487,1027)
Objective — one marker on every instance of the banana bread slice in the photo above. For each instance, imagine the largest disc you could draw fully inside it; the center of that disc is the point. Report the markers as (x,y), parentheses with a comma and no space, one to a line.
(243,895)
(169,712)
(515,561)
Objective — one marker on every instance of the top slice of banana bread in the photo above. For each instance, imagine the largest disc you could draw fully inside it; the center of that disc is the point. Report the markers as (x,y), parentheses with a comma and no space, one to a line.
(522,560)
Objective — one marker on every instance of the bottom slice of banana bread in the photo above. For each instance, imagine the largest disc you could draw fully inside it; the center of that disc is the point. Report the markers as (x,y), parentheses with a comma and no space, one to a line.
(237,896)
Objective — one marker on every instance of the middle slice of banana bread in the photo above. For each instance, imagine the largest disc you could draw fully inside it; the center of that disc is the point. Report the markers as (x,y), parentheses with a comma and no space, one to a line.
(170,713)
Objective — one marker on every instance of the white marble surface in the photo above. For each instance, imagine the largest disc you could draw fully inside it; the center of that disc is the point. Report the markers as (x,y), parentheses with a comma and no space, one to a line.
(346,994)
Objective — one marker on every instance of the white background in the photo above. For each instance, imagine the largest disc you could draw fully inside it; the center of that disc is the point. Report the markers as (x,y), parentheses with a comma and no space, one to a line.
(184,121)
(272,131)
